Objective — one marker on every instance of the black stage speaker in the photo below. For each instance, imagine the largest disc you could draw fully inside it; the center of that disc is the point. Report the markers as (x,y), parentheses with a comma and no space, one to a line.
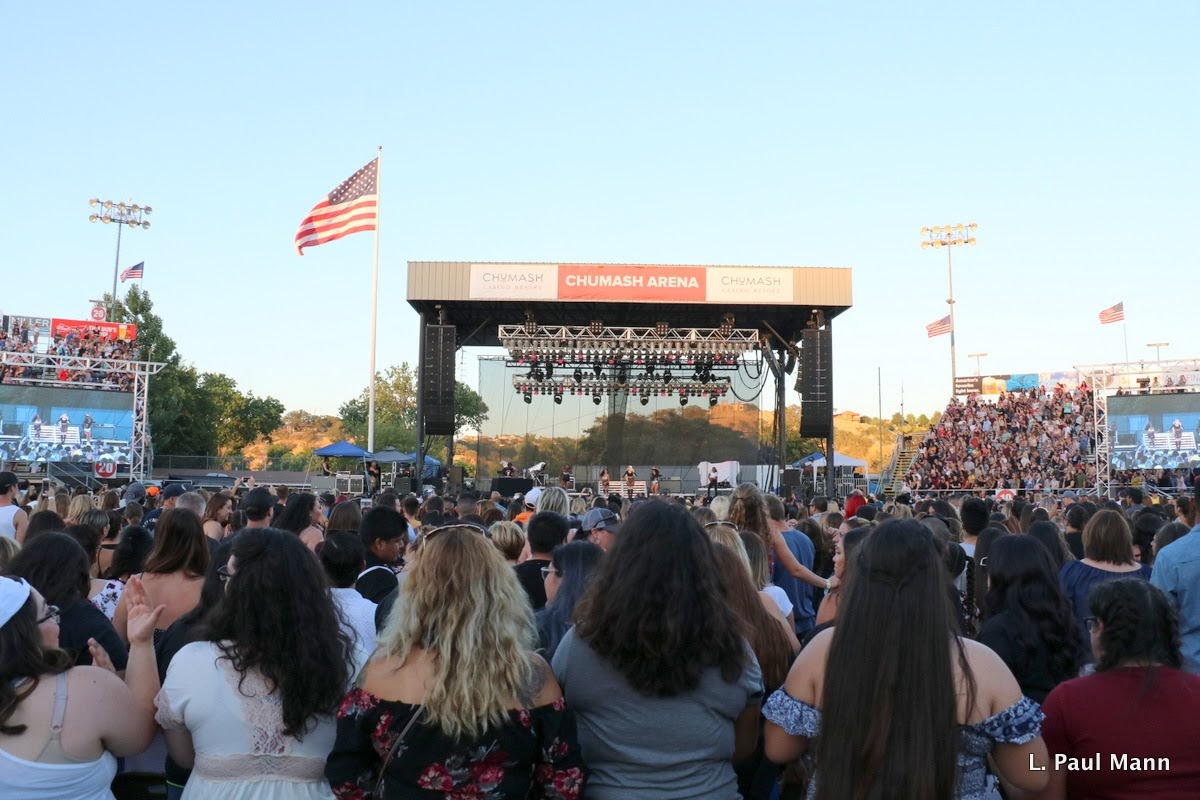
(404,486)
(816,373)
(791,477)
(437,380)
(507,487)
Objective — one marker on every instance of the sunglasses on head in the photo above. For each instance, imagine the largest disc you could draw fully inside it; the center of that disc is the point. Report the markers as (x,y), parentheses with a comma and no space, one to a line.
(471,526)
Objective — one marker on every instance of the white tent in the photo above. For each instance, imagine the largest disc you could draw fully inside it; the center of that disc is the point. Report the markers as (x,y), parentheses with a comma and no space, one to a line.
(839,460)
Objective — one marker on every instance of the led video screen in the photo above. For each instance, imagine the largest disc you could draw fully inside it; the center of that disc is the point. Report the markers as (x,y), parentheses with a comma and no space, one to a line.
(41,424)
(1154,431)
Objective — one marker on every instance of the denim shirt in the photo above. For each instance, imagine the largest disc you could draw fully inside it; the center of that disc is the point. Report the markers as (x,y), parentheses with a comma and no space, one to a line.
(1177,572)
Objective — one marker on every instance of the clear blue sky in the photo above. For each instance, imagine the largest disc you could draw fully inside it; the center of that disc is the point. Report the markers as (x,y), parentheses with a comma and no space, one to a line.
(685,132)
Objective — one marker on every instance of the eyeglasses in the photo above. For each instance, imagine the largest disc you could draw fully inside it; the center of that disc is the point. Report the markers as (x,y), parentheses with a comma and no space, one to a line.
(547,570)
(223,573)
(52,613)
(1092,623)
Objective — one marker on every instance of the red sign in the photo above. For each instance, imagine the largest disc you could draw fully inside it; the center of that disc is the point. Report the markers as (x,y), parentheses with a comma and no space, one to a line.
(105,469)
(1006,495)
(630,282)
(114,331)
(99,314)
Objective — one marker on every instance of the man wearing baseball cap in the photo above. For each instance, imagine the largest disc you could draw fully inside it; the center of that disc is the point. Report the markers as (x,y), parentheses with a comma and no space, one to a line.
(601,525)
(258,505)
(169,495)
(13,518)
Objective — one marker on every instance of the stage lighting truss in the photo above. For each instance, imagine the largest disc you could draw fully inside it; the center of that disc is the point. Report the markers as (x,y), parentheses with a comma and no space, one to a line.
(584,346)
(641,387)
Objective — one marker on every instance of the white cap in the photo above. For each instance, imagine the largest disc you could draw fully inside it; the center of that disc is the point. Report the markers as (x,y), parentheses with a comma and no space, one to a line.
(14,593)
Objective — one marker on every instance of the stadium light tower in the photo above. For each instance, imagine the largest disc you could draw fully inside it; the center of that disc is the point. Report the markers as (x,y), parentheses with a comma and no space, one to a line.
(123,214)
(1158,346)
(949,237)
(977,356)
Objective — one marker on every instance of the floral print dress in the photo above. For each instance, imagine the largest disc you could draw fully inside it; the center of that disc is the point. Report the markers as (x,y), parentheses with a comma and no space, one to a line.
(534,755)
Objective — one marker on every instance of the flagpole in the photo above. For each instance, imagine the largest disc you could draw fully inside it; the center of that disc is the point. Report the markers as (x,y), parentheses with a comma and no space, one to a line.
(1125,333)
(374,302)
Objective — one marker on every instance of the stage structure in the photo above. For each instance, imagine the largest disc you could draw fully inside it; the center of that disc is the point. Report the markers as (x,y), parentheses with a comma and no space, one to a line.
(34,367)
(626,332)
(1136,392)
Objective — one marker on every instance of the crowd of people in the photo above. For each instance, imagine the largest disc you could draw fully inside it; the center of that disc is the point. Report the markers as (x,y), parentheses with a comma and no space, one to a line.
(261,643)
(86,346)
(1037,440)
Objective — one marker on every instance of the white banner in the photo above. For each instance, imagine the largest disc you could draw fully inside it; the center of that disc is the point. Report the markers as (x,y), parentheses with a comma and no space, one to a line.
(749,284)
(514,281)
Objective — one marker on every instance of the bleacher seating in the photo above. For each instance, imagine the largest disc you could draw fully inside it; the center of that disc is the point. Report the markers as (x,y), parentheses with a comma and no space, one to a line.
(50,434)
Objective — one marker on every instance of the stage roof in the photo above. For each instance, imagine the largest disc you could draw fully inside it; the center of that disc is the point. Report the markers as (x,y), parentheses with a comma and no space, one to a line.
(477,297)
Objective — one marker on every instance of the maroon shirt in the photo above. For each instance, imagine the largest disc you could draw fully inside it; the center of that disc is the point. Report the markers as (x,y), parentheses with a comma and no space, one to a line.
(1110,714)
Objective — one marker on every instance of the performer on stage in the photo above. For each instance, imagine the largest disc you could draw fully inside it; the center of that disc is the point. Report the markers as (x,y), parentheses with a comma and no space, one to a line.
(712,481)
(326,467)
(507,470)
(564,479)
(64,424)
(36,423)
(88,422)
(375,476)
(604,479)
(655,476)
(630,477)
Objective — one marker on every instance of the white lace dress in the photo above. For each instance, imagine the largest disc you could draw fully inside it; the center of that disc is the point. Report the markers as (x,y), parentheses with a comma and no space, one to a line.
(241,751)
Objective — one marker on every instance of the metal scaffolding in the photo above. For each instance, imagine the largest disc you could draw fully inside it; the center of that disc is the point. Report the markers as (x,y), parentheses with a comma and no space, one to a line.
(43,364)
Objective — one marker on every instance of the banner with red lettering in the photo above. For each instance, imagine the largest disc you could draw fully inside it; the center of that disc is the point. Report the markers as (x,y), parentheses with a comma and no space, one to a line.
(86,328)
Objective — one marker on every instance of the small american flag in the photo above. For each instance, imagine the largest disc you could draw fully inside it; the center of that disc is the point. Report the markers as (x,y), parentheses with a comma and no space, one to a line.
(350,208)
(938,328)
(1114,314)
(134,273)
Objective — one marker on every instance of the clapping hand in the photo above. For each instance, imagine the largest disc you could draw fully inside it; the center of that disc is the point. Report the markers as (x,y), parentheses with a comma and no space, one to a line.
(142,618)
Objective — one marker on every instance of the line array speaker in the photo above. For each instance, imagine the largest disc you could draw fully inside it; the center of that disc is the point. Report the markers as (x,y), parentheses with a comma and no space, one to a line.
(437,379)
(816,373)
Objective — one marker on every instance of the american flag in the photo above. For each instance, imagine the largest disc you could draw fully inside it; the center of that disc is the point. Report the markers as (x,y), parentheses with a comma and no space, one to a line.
(1114,314)
(134,272)
(938,328)
(350,208)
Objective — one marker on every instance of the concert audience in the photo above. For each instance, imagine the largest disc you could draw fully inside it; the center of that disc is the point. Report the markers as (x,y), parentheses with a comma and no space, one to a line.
(1036,439)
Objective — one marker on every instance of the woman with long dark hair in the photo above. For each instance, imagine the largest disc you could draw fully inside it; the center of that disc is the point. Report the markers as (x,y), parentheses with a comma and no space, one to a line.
(216,515)
(1128,730)
(1051,538)
(62,727)
(249,707)
(455,675)
(1030,624)
(56,565)
(571,567)
(657,667)
(304,515)
(912,710)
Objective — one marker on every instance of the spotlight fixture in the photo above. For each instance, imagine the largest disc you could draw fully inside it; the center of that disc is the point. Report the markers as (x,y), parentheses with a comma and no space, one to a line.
(596,399)
(531,325)
(666,376)
(662,329)
(598,369)
(577,375)
(596,327)
(683,399)
(712,400)
(645,400)
(528,397)
(558,398)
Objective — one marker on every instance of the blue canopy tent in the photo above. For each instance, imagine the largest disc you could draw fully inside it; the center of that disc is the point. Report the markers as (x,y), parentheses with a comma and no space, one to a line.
(342,449)
(817,461)
(432,465)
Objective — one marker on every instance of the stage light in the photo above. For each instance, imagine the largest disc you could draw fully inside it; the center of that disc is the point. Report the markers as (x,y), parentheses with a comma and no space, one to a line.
(666,376)
(712,400)
(549,371)
(598,369)
(558,398)
(596,399)
(528,397)
(662,329)
(683,399)
(577,375)
(645,400)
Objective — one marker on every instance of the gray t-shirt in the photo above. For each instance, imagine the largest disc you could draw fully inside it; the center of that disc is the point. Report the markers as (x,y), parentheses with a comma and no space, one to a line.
(654,748)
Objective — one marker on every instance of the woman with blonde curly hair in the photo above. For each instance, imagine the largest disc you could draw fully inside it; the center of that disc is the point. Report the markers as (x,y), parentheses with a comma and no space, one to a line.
(455,701)
(748,512)
(509,539)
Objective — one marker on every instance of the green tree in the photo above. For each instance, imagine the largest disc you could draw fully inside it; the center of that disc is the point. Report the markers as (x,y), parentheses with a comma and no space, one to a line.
(923,421)
(396,410)
(897,420)
(241,418)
